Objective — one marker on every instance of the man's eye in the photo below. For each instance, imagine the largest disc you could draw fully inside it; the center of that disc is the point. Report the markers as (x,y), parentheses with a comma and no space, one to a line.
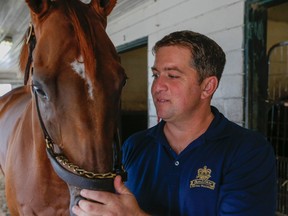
(173,76)
(154,75)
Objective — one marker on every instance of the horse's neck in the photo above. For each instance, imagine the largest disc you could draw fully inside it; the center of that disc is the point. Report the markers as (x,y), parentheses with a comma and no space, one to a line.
(16,97)
(24,162)
(12,107)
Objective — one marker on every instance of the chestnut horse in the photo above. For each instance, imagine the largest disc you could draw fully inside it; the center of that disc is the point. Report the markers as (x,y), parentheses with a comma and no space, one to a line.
(61,127)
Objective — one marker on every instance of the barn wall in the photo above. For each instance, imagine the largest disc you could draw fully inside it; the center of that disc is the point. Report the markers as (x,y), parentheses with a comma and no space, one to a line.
(222,20)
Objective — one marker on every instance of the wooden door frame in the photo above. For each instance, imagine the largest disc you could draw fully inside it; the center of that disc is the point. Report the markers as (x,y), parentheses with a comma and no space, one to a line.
(255,62)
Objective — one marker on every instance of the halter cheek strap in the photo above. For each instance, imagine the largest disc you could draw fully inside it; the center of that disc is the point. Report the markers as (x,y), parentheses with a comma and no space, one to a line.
(31,41)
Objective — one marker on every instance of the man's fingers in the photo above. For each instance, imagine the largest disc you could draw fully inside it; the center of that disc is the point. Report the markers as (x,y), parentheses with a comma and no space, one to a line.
(120,187)
(95,196)
(84,207)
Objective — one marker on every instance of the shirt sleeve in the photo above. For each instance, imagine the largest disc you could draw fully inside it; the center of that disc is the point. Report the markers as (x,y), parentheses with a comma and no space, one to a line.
(249,183)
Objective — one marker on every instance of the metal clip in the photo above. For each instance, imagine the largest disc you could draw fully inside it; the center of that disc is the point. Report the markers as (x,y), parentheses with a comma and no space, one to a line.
(30,33)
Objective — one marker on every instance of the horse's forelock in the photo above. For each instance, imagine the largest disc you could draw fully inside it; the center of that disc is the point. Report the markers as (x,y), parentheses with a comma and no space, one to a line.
(86,33)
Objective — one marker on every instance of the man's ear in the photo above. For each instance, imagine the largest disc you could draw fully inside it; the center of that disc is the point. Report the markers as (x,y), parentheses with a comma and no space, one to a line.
(209,86)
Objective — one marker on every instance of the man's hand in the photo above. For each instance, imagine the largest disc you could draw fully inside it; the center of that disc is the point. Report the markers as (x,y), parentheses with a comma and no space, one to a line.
(121,203)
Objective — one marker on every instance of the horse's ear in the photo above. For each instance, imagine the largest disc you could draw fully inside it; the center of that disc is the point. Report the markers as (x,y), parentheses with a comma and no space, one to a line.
(107,5)
(38,6)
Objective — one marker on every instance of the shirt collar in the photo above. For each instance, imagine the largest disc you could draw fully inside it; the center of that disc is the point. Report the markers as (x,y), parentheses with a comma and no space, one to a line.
(214,131)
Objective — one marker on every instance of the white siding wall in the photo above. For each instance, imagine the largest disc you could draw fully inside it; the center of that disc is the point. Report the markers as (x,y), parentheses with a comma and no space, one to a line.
(222,20)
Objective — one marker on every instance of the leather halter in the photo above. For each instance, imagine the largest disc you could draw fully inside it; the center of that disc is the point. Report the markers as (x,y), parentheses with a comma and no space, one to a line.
(71,173)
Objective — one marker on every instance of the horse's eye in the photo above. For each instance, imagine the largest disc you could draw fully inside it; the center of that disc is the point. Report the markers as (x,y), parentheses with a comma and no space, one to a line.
(40,92)
(124,82)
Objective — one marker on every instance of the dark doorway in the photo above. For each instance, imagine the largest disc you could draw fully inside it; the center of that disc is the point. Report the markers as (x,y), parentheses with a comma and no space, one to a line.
(267,82)
(134,95)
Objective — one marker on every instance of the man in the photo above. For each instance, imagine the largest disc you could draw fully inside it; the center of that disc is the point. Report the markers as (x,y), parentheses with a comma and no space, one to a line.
(195,161)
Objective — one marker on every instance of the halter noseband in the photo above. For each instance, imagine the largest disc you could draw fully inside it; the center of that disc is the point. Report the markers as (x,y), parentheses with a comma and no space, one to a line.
(67,171)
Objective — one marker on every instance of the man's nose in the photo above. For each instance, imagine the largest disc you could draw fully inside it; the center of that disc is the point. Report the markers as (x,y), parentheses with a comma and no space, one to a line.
(159,84)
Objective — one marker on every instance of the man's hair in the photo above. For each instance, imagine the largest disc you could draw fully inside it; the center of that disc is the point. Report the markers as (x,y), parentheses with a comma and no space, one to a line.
(207,57)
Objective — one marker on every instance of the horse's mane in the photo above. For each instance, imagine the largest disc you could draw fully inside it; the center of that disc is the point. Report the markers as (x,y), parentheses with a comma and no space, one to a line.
(23,59)
(84,19)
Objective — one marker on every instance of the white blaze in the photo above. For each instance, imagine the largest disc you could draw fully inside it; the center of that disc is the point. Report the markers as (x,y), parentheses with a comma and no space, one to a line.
(79,67)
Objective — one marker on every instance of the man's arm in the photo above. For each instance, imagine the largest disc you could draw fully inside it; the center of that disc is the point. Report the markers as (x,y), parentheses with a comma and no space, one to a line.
(249,185)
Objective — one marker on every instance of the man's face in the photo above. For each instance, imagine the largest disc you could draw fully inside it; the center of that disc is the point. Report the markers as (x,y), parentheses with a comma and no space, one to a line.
(176,91)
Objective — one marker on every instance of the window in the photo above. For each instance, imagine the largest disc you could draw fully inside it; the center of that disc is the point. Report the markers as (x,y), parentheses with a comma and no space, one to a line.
(4,88)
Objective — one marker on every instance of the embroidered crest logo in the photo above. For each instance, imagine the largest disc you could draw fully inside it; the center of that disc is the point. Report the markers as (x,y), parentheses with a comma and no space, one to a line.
(202,179)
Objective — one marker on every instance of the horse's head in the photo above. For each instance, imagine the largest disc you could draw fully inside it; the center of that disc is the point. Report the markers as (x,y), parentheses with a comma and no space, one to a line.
(77,79)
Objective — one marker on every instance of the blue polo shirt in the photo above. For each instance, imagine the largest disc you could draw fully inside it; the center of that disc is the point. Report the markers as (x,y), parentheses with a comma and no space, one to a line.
(228,170)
